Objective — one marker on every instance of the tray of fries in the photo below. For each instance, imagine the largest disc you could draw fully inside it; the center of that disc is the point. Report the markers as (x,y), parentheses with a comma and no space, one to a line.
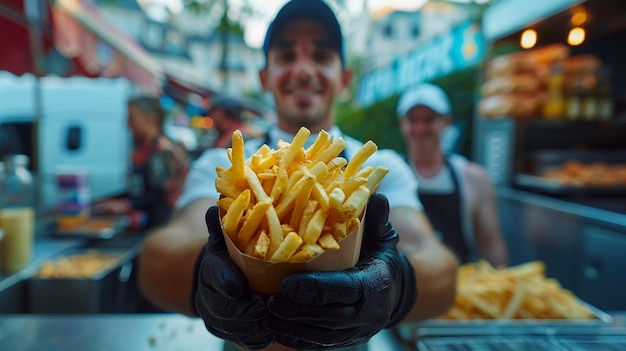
(496,299)
(293,209)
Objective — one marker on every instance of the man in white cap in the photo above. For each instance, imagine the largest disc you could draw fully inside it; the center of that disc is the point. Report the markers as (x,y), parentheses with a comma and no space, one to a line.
(457,194)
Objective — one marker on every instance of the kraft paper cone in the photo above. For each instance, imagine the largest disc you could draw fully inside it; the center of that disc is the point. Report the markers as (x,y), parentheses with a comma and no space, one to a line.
(265,276)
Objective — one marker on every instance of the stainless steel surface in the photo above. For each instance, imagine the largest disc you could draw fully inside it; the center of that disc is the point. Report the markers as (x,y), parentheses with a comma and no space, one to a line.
(413,331)
(525,336)
(104,332)
(168,332)
(578,342)
(571,239)
(602,271)
(590,213)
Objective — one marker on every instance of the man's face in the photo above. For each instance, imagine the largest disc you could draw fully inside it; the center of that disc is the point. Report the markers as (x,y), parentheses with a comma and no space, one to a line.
(421,126)
(305,75)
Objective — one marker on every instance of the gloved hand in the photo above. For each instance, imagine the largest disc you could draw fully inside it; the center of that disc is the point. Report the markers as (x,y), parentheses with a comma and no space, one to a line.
(223,299)
(317,310)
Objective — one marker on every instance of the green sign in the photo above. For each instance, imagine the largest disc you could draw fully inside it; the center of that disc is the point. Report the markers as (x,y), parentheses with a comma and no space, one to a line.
(461,47)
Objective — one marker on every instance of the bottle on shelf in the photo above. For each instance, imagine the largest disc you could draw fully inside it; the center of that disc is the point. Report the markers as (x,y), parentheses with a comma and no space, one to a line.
(554,104)
(17,214)
(573,99)
(606,101)
(589,97)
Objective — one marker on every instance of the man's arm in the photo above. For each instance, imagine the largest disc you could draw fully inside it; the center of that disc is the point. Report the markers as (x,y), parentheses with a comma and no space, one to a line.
(435,266)
(484,214)
(168,258)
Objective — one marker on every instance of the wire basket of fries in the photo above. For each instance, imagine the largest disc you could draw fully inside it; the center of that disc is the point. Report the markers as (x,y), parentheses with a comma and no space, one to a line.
(507,300)
(521,292)
(293,209)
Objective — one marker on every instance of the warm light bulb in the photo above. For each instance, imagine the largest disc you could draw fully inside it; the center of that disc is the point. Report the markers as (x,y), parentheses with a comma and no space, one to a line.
(528,39)
(579,18)
(576,36)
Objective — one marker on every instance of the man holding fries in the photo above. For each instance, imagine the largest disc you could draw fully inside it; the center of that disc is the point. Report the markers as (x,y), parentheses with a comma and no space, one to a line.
(457,195)
(313,310)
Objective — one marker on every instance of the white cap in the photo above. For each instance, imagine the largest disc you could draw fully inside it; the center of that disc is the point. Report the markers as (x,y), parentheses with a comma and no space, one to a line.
(424,94)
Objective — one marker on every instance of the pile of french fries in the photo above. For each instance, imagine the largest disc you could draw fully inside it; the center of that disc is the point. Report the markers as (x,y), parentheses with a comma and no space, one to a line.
(520,292)
(291,204)
(86,265)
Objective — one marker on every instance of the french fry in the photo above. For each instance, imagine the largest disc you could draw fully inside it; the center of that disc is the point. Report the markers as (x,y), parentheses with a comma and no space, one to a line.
(359,158)
(315,226)
(331,152)
(233,216)
(225,202)
(376,177)
(296,146)
(226,189)
(287,247)
(336,197)
(320,195)
(291,204)
(307,214)
(306,252)
(301,202)
(262,246)
(320,143)
(327,241)
(354,205)
(238,158)
(252,222)
(351,184)
(365,172)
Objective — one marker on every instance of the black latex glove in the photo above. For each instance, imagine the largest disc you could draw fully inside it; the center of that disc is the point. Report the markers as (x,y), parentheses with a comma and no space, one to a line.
(223,299)
(319,310)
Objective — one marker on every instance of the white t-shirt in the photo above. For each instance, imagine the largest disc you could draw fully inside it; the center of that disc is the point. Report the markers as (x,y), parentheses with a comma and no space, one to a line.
(399,182)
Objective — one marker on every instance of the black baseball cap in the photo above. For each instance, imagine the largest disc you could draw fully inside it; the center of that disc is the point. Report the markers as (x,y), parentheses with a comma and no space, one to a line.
(316,10)
(229,105)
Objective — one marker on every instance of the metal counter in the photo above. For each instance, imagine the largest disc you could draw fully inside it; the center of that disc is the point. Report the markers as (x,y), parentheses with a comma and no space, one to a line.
(581,245)
(16,289)
(149,332)
(108,332)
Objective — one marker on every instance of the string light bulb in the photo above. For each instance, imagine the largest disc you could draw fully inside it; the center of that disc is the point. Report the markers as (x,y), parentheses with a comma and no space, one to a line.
(576,36)
(579,18)
(528,39)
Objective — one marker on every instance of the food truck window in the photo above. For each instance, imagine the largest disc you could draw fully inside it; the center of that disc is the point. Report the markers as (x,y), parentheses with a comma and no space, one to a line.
(74,136)
(15,138)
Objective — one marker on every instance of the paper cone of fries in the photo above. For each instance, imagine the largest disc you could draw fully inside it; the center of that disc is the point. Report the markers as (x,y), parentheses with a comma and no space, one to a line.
(292,209)
(265,276)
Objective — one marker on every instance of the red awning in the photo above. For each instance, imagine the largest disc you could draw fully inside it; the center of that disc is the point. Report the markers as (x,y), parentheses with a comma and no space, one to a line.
(71,37)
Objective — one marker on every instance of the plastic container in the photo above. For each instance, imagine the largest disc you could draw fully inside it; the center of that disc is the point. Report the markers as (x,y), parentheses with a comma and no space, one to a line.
(73,194)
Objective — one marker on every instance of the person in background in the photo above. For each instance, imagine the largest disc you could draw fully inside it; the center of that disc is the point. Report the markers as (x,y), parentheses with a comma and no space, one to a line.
(457,194)
(159,168)
(180,271)
(227,117)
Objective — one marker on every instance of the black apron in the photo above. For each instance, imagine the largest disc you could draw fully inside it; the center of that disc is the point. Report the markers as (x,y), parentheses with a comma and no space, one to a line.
(444,213)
